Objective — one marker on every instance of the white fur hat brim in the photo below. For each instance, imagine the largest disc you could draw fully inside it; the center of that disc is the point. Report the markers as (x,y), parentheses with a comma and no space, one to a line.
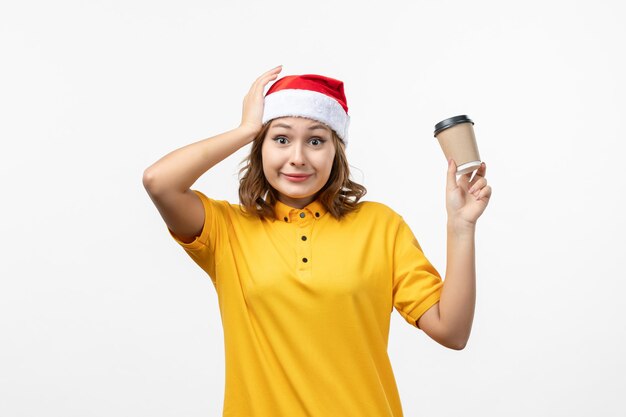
(309,104)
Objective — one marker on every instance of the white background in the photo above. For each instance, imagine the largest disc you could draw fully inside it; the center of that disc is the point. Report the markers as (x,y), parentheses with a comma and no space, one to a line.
(103,314)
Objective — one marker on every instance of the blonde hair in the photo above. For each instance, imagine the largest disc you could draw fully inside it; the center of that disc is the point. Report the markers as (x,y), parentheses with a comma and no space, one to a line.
(339,195)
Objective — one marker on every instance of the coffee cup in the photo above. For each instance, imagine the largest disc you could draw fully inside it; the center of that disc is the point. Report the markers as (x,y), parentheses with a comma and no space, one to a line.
(457,140)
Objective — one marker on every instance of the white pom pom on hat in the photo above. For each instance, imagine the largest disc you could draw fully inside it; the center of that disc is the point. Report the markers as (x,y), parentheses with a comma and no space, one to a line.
(312,96)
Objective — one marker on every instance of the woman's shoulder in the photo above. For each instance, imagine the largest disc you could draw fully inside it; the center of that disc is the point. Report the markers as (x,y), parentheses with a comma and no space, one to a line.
(210,200)
(224,206)
(376,208)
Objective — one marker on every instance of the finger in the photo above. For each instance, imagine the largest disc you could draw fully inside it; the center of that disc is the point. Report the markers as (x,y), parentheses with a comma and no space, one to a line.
(260,83)
(484,194)
(273,71)
(276,68)
(482,170)
(477,184)
(266,77)
(259,86)
(451,177)
(464,179)
(269,74)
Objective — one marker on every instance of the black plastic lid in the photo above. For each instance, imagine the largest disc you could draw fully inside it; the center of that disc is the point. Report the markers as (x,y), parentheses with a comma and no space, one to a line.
(451,122)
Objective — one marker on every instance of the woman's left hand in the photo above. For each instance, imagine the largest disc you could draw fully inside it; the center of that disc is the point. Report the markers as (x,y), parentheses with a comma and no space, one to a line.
(466,200)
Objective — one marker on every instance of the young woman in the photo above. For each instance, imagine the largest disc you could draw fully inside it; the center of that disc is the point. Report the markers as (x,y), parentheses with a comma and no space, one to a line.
(306,274)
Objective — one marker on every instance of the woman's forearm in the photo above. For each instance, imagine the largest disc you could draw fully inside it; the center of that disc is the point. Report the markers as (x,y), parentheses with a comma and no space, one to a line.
(180,169)
(458,298)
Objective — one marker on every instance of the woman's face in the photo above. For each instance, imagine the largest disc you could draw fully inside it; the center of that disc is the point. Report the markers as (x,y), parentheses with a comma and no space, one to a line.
(298,156)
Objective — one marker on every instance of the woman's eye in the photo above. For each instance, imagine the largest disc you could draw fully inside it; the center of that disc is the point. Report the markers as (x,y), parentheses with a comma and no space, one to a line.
(281,139)
(316,141)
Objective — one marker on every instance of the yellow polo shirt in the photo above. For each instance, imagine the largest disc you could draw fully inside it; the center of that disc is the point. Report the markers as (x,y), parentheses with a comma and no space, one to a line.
(305,303)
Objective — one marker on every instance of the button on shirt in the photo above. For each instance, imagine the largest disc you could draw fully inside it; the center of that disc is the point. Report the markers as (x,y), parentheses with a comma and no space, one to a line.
(305,302)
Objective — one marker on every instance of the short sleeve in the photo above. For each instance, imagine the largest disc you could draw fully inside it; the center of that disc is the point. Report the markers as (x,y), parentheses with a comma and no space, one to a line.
(416,283)
(204,249)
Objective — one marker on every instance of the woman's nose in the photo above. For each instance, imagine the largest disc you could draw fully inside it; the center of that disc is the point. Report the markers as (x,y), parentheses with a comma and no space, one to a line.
(297,156)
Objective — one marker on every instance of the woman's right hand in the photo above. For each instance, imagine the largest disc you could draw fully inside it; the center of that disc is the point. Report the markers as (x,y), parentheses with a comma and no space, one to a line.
(253,102)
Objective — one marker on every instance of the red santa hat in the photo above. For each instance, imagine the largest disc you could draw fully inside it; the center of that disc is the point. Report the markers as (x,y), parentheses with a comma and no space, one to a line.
(312,96)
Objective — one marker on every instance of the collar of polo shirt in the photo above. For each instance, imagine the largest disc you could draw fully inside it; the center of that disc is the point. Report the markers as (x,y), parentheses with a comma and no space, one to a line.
(284,212)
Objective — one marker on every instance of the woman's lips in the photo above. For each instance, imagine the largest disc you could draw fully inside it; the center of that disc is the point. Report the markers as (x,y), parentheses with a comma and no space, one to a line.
(297,177)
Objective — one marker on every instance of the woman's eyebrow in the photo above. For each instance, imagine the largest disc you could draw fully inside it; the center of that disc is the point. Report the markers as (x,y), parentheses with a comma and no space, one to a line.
(312,127)
(318,126)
